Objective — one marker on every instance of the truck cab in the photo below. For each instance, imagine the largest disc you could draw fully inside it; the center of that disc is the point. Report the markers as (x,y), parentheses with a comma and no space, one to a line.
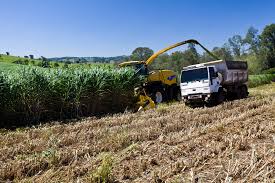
(199,82)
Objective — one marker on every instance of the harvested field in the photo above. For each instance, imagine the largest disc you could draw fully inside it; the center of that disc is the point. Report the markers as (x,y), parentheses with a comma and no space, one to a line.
(234,141)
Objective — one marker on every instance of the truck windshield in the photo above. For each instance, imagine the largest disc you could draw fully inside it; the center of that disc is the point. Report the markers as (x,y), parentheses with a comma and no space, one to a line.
(194,75)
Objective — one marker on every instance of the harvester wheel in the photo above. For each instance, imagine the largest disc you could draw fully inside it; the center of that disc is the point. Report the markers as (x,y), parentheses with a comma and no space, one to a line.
(158,97)
(176,95)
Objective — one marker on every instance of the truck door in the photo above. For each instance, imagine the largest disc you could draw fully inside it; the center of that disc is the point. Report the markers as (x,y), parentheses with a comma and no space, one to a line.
(213,79)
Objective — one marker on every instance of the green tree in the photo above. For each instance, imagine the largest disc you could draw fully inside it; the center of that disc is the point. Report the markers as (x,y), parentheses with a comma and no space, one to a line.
(177,61)
(191,55)
(163,61)
(236,43)
(252,40)
(45,64)
(66,65)
(56,64)
(142,53)
(268,45)
(223,53)
(205,57)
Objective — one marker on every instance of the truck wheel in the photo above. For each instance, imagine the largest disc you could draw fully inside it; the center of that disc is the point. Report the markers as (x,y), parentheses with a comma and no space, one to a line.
(243,92)
(220,97)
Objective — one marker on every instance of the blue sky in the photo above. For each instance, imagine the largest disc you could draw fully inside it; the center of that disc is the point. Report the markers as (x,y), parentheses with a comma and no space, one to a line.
(116,27)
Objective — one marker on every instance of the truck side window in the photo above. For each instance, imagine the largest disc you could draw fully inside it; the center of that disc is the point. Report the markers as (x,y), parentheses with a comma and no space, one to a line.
(212,72)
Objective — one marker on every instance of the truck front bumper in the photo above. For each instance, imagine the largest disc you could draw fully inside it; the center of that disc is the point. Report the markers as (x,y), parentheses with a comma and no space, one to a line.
(194,98)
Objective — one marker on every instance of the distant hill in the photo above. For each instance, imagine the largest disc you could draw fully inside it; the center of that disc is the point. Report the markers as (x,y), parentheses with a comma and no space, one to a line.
(9,62)
(90,59)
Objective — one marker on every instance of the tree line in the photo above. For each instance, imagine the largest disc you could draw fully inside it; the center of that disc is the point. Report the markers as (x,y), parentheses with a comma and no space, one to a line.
(258,49)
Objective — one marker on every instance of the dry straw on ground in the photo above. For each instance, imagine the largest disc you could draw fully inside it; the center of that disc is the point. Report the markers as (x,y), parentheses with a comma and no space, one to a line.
(232,142)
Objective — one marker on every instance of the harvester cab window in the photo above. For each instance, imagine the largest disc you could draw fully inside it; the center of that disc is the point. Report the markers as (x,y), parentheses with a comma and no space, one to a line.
(142,69)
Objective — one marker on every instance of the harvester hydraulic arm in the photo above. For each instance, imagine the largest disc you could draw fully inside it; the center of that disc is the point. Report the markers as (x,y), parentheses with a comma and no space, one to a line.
(154,56)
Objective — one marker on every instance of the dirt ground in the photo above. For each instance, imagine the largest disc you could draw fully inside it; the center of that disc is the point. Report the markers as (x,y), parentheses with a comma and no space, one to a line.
(232,142)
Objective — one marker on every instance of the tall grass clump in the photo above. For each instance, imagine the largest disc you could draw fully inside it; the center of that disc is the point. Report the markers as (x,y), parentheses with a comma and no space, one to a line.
(257,80)
(31,95)
(103,174)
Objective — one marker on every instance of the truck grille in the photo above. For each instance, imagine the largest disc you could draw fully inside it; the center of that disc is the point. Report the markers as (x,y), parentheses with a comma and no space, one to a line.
(195,96)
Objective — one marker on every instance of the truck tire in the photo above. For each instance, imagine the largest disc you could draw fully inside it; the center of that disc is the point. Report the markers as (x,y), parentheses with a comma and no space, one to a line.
(238,94)
(220,97)
(243,92)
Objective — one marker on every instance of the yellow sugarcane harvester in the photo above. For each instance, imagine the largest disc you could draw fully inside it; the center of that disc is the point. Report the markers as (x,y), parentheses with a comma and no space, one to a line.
(160,85)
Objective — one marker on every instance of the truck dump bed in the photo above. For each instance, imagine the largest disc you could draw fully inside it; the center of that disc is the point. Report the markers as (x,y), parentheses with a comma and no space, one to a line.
(232,71)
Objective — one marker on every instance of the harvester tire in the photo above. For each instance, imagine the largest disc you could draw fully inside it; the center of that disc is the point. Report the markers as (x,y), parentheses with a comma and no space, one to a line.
(178,96)
(158,97)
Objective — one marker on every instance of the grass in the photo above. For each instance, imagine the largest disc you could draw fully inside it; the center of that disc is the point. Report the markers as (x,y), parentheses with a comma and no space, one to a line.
(9,58)
(103,173)
(9,63)
(7,66)
(257,80)
(263,90)
(233,142)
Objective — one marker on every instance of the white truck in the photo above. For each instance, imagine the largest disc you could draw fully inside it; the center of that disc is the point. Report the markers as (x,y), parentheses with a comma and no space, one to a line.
(213,82)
